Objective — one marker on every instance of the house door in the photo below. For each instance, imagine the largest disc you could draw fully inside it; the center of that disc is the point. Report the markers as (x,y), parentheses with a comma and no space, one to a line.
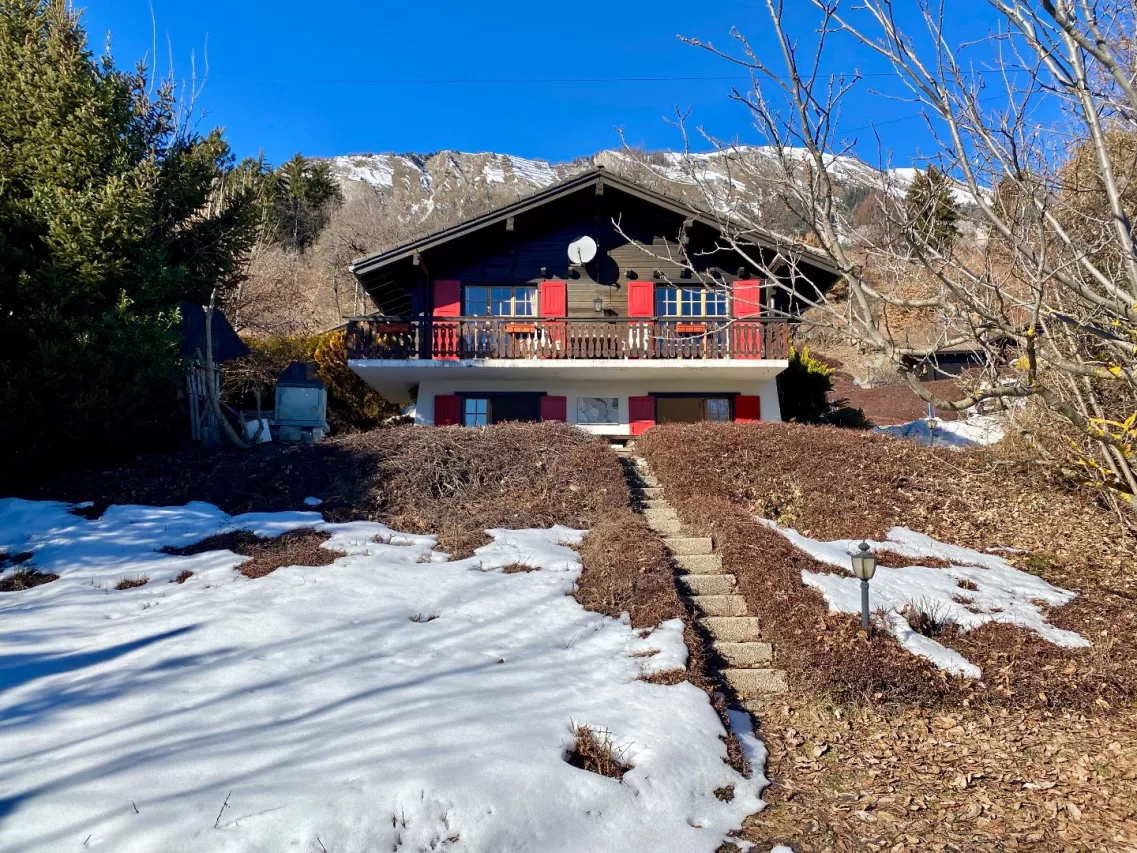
(689,410)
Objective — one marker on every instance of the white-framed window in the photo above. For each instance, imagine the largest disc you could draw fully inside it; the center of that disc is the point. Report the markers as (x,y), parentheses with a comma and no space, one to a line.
(717,408)
(475,411)
(500,301)
(672,301)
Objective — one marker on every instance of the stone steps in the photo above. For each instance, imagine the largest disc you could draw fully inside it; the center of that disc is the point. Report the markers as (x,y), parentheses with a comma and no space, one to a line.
(746,655)
(709,584)
(689,546)
(753,683)
(722,612)
(700,564)
(733,629)
(720,605)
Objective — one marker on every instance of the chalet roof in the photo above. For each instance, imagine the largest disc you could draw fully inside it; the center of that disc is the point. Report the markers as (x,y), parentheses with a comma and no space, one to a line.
(768,239)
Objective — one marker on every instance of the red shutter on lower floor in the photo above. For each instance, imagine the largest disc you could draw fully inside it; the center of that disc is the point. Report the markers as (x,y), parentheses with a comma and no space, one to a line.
(554,408)
(747,410)
(447,410)
(641,414)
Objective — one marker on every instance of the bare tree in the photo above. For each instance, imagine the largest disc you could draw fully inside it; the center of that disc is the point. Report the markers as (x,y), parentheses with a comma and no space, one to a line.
(1052,271)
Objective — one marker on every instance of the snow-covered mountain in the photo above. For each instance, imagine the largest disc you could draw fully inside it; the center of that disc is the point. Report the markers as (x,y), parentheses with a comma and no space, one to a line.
(432,190)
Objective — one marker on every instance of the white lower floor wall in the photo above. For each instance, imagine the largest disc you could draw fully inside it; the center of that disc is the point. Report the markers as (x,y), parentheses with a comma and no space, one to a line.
(581,396)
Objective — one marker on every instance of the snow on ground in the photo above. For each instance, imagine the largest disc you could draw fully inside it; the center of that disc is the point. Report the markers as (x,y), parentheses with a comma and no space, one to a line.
(974,430)
(394,700)
(1002,593)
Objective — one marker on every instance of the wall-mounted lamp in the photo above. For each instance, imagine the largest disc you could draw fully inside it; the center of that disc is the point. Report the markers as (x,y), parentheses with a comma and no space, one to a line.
(598,304)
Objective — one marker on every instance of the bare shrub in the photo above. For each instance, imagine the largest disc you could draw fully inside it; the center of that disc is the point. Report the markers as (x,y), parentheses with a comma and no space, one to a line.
(23,579)
(183,576)
(926,616)
(594,751)
(132,583)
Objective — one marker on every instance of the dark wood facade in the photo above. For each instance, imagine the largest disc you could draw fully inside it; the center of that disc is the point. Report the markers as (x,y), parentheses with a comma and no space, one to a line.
(527,243)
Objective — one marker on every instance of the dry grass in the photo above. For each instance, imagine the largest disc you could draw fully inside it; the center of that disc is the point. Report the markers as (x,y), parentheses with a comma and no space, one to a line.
(872,749)
(23,579)
(183,576)
(907,780)
(594,751)
(132,583)
(295,548)
(517,569)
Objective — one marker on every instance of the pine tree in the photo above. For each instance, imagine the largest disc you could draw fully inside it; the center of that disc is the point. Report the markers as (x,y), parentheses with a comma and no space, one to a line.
(111,212)
(305,192)
(932,211)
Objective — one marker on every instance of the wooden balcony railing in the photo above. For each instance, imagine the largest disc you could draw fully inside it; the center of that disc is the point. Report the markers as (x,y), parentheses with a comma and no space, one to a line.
(402,338)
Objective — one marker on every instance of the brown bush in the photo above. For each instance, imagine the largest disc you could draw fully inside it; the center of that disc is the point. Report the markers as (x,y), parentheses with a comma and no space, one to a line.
(132,583)
(23,579)
(295,548)
(853,485)
(594,751)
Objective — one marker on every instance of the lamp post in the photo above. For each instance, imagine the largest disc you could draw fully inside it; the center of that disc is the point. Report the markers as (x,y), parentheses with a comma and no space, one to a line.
(864,567)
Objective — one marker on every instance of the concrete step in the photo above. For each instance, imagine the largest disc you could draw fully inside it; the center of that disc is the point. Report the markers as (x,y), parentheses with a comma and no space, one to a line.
(660,513)
(656,503)
(751,683)
(720,605)
(666,526)
(709,584)
(685,546)
(700,564)
(652,492)
(733,629)
(648,478)
(746,655)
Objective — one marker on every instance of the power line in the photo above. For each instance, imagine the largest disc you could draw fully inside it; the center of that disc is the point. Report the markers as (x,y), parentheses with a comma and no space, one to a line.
(526,81)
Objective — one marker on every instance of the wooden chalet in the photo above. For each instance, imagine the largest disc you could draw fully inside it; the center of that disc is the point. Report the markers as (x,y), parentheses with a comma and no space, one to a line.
(492,320)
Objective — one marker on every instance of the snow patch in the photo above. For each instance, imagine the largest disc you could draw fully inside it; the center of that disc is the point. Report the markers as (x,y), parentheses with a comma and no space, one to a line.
(314,704)
(972,431)
(1001,592)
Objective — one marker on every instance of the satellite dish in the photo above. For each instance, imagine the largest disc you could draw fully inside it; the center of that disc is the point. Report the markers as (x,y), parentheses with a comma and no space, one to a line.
(582,251)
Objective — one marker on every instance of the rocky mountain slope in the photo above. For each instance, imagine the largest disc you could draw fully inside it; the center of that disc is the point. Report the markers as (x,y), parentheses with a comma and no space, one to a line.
(431,190)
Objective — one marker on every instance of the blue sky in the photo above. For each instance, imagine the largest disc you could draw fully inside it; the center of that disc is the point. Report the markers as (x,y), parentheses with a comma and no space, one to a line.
(354,77)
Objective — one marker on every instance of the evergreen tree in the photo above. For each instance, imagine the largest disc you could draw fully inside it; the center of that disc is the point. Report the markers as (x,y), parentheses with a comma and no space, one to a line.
(111,212)
(932,211)
(304,194)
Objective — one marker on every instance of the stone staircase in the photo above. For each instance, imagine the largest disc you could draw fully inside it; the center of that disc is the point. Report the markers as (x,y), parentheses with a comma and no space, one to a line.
(712,591)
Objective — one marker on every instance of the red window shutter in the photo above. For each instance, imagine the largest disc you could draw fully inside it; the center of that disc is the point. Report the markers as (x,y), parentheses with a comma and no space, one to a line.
(554,408)
(641,414)
(641,299)
(447,298)
(747,298)
(554,299)
(447,410)
(747,410)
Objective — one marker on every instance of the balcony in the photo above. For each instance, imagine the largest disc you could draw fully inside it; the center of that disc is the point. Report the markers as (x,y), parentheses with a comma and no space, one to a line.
(404,339)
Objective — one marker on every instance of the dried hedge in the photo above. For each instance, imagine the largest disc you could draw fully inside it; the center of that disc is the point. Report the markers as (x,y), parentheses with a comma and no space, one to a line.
(831,483)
